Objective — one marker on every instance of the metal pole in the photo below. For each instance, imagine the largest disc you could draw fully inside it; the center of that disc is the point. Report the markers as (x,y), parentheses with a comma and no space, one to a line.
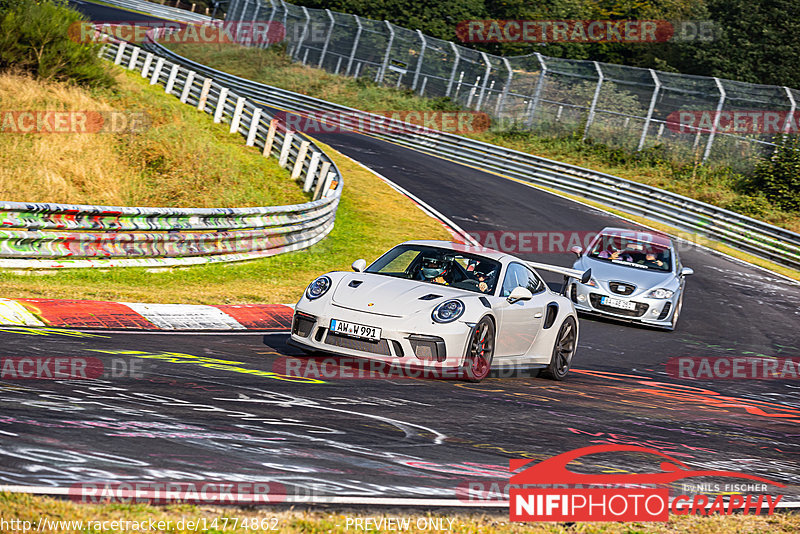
(242,14)
(327,38)
(501,102)
(790,116)
(590,118)
(455,68)
(485,80)
(305,31)
(388,52)
(355,45)
(650,109)
(255,17)
(285,19)
(420,60)
(716,119)
(537,94)
(270,33)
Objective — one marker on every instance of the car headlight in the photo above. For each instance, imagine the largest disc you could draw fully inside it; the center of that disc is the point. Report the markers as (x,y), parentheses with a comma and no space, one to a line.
(661,293)
(318,287)
(448,311)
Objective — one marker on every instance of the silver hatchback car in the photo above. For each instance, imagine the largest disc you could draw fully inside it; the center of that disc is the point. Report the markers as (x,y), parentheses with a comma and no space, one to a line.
(636,276)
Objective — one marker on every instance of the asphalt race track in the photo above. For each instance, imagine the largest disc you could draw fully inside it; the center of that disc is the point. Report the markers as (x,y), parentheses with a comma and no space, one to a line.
(185,407)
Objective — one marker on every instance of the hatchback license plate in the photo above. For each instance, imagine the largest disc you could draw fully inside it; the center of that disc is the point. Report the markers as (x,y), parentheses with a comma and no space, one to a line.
(617,303)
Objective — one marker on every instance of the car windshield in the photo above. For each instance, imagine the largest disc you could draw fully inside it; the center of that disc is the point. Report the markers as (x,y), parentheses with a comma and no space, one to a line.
(439,266)
(632,253)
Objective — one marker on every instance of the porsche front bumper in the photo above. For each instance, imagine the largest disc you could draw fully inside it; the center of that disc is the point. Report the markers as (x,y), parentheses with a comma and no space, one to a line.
(429,346)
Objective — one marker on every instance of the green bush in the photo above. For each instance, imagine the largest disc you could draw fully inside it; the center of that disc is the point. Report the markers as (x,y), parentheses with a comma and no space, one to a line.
(778,177)
(35,38)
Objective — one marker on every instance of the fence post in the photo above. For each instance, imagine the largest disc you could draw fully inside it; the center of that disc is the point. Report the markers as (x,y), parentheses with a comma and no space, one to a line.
(538,92)
(302,35)
(327,38)
(790,116)
(323,173)
(201,104)
(270,32)
(237,114)
(273,127)
(485,80)
(650,109)
(187,86)
(355,45)
(502,101)
(242,14)
(157,71)
(590,117)
(388,51)
(286,148)
(253,130)
(455,68)
(714,127)
(312,169)
(120,51)
(148,59)
(255,18)
(134,57)
(424,43)
(301,159)
(173,73)
(221,100)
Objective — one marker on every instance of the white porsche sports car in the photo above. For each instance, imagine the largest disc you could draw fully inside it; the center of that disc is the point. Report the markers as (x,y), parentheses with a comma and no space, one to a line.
(442,306)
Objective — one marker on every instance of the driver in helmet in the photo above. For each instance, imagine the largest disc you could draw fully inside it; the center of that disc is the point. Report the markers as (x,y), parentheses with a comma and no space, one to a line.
(484,275)
(434,270)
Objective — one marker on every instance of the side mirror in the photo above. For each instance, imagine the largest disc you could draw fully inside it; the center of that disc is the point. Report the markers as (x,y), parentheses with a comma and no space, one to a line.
(359,265)
(587,275)
(576,250)
(686,271)
(519,293)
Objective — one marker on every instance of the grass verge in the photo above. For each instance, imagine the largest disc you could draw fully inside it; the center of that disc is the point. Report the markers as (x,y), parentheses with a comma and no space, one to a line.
(371,218)
(32,508)
(716,185)
(180,158)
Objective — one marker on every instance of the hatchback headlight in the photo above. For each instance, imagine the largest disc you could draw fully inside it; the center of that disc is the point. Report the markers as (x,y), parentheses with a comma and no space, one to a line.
(448,311)
(661,293)
(318,287)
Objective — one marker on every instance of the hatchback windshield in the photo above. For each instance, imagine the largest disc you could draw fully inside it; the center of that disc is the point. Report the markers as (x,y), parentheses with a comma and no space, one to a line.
(632,253)
(439,266)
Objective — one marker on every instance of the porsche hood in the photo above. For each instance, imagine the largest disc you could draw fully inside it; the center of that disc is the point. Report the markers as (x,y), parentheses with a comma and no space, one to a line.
(386,295)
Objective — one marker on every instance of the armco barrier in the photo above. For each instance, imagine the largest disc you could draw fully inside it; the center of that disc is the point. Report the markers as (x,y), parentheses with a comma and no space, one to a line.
(49,236)
(743,233)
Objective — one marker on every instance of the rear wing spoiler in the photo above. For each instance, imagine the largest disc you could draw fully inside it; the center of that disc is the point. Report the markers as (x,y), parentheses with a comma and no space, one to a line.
(583,276)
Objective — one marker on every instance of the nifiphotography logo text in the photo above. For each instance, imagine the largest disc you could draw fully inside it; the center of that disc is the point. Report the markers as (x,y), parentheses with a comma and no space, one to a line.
(630,496)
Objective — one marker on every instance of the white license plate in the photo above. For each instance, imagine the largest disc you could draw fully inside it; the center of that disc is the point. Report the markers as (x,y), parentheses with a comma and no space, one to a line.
(355,330)
(617,303)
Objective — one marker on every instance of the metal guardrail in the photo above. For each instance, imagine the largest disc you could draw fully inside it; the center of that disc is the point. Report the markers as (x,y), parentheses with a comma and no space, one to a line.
(737,231)
(158,10)
(68,236)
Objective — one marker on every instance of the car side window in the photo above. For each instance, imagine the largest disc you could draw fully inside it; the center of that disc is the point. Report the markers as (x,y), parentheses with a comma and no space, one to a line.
(518,275)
